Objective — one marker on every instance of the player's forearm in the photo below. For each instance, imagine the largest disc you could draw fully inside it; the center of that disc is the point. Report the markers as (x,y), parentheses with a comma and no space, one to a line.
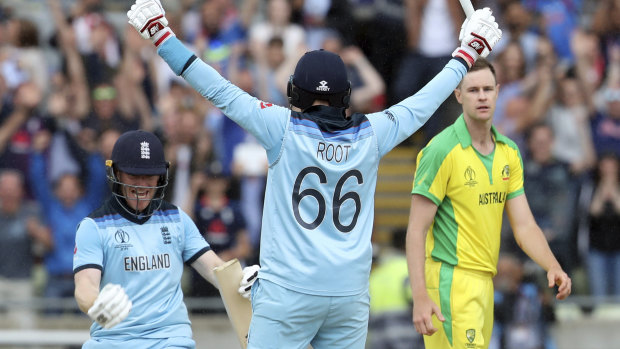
(85,295)
(201,76)
(414,111)
(533,242)
(421,216)
(85,300)
(205,264)
(415,263)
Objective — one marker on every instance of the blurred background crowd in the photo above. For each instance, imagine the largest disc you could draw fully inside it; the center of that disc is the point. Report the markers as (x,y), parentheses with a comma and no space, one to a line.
(74,76)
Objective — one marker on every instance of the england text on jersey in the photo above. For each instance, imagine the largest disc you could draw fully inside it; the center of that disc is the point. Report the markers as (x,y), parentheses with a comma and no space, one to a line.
(144,263)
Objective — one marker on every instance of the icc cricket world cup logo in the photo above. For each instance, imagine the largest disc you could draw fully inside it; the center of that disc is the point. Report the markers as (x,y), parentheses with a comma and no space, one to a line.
(470,177)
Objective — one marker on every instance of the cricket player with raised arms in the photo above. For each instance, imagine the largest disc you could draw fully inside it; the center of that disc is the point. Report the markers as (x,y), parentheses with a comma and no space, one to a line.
(318,213)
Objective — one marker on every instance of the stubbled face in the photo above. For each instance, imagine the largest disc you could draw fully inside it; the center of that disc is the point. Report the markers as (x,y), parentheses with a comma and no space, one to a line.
(138,189)
(478,95)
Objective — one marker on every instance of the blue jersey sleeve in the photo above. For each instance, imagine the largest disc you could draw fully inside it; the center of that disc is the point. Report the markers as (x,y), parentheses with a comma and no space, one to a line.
(265,121)
(195,244)
(401,120)
(88,251)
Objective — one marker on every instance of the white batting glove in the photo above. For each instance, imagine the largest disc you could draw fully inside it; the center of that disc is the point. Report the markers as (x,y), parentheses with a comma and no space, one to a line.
(479,34)
(111,306)
(250,274)
(148,17)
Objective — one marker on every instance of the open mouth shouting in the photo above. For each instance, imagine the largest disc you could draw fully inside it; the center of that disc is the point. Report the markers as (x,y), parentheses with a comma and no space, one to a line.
(139,194)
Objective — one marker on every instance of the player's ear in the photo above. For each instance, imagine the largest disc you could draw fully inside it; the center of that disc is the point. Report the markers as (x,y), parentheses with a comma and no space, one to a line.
(457,94)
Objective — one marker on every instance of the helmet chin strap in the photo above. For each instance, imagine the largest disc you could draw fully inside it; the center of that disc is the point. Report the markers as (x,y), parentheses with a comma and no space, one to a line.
(148,210)
(123,197)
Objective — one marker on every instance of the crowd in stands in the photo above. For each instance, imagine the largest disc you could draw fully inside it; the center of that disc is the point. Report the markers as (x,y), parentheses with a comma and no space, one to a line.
(66,97)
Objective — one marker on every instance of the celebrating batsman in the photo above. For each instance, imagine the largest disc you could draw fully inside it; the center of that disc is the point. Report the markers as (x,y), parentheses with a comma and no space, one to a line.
(129,254)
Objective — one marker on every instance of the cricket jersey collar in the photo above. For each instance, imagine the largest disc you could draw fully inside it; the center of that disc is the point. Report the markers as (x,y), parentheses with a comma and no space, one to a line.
(460,127)
(116,205)
(330,119)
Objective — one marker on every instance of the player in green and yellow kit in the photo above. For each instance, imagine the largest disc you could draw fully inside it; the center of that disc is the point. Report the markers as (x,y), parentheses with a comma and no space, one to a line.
(465,178)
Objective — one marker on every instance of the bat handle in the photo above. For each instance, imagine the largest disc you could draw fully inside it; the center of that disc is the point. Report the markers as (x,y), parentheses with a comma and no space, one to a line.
(467,7)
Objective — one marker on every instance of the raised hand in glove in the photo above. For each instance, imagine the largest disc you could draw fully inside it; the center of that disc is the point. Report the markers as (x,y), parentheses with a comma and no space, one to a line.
(148,17)
(479,34)
(250,274)
(111,306)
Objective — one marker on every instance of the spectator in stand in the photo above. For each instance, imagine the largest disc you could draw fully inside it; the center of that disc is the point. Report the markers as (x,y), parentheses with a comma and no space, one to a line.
(120,102)
(220,28)
(569,117)
(548,179)
(511,73)
(96,40)
(268,65)
(524,98)
(430,46)
(278,23)
(380,29)
(367,86)
(604,217)
(219,220)
(68,103)
(188,148)
(63,205)
(589,64)
(106,145)
(606,123)
(6,13)
(239,75)
(314,18)
(134,81)
(26,238)
(521,315)
(250,165)
(25,58)
(606,25)
(106,112)
(19,121)
(558,19)
(518,20)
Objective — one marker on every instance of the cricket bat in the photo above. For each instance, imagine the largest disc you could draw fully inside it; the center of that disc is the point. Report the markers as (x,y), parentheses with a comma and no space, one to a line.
(239,309)
(467,7)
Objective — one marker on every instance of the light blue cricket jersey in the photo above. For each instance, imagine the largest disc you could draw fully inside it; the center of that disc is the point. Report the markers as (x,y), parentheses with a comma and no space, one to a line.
(147,261)
(319,201)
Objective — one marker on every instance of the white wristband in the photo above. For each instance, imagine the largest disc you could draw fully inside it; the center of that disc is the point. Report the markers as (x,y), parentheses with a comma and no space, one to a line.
(161,36)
